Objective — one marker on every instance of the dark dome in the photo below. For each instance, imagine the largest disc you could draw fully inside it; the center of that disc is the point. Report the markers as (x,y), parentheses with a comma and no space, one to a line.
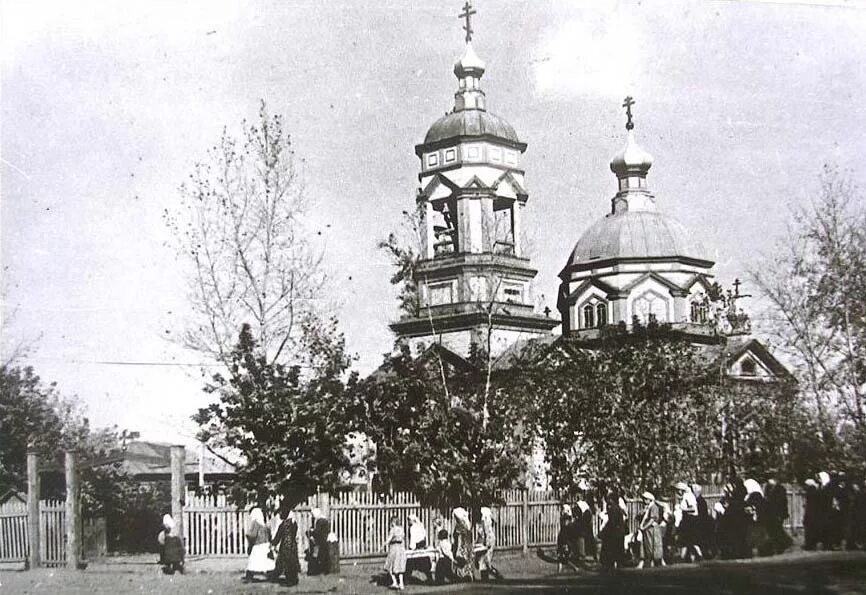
(636,234)
(470,122)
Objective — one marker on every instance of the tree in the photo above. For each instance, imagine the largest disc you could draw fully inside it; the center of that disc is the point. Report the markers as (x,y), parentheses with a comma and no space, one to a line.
(288,423)
(630,412)
(453,447)
(240,227)
(815,283)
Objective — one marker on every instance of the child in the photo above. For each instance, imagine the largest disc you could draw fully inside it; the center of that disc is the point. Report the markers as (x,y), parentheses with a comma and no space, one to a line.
(395,563)
(173,553)
(445,563)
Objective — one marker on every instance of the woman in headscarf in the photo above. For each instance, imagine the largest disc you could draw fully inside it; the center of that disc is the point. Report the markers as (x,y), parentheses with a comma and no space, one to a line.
(688,528)
(585,544)
(487,538)
(395,562)
(755,514)
(258,545)
(318,554)
(652,525)
(173,552)
(566,539)
(286,540)
(612,533)
(810,515)
(463,546)
(418,541)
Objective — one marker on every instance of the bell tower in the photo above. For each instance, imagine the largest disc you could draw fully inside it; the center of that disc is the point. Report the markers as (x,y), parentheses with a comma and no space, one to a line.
(474,279)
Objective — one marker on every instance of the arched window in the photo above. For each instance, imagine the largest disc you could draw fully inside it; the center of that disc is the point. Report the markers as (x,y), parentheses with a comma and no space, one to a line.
(699,312)
(650,305)
(588,316)
(601,314)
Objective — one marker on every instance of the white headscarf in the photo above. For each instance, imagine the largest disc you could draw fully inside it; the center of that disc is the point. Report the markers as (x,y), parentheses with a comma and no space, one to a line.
(168,523)
(486,514)
(461,515)
(582,505)
(824,477)
(566,510)
(256,516)
(317,513)
(753,487)
(811,482)
(648,496)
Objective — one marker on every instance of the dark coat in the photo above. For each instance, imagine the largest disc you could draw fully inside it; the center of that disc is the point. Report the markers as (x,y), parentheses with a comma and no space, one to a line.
(286,540)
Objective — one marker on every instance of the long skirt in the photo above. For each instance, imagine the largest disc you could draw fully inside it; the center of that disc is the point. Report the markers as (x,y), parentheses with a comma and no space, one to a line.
(258,560)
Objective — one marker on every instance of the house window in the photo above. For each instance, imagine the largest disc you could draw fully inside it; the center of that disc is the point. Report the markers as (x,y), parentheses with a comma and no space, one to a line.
(747,368)
(601,314)
(699,312)
(588,316)
(472,152)
(450,155)
(432,159)
(496,154)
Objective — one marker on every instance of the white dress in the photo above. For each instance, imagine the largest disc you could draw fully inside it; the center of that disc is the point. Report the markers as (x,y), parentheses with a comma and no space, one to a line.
(258,560)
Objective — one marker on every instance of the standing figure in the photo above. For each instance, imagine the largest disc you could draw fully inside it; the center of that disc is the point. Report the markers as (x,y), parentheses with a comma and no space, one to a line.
(776,497)
(824,509)
(612,533)
(418,541)
(857,522)
(583,530)
(688,528)
(487,538)
(286,540)
(810,515)
(652,527)
(756,515)
(463,545)
(318,555)
(566,539)
(395,562)
(172,552)
(703,529)
(444,571)
(258,546)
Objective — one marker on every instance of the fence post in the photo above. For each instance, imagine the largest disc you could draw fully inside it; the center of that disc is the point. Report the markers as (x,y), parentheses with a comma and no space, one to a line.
(73,510)
(178,486)
(524,526)
(325,504)
(33,557)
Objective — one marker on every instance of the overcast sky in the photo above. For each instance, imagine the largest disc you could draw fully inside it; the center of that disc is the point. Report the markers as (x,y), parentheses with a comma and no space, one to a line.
(107,105)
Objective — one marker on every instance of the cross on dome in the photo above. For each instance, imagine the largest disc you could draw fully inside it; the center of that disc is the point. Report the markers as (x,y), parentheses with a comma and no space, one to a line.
(467,13)
(627,103)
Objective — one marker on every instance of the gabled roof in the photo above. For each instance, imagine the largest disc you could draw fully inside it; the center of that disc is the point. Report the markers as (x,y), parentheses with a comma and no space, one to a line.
(672,287)
(737,346)
(591,282)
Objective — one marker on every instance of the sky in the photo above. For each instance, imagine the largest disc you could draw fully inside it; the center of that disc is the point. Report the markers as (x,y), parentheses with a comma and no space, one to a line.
(107,105)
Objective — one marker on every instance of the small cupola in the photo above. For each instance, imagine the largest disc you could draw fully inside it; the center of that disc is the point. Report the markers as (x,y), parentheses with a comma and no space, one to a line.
(631,166)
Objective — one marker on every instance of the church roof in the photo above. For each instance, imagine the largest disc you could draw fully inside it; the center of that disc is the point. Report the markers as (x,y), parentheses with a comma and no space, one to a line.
(471,122)
(636,234)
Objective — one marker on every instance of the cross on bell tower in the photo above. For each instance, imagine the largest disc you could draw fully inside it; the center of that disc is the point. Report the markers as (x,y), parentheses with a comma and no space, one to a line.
(467,13)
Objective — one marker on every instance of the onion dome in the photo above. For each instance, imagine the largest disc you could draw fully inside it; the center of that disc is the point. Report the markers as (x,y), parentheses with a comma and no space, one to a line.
(632,160)
(470,116)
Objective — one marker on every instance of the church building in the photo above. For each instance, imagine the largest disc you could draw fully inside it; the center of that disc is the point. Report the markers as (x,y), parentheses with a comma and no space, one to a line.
(475,282)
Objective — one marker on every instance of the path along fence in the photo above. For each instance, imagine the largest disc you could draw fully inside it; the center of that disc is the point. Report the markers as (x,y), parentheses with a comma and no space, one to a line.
(527,519)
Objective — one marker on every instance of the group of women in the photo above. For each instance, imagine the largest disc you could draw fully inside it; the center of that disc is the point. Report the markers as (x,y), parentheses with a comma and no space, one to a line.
(747,518)
(457,555)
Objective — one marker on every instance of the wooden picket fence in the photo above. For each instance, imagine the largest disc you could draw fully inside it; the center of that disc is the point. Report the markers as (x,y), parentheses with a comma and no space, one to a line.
(361,520)
(14,541)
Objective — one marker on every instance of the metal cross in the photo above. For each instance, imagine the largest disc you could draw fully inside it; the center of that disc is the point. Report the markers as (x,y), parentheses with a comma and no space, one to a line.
(629,101)
(467,13)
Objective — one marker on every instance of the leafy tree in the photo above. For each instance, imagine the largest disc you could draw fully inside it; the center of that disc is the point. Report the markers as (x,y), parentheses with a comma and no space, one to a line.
(240,227)
(815,281)
(629,412)
(441,431)
(286,422)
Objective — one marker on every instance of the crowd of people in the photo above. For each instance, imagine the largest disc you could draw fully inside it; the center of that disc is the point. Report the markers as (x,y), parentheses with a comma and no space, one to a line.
(748,519)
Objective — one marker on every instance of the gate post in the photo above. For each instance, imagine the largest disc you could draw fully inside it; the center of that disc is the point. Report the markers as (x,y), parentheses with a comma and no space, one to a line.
(178,487)
(34,557)
(73,512)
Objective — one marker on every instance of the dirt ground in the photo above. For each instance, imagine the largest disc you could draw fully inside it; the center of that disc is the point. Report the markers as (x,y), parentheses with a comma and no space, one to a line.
(797,572)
